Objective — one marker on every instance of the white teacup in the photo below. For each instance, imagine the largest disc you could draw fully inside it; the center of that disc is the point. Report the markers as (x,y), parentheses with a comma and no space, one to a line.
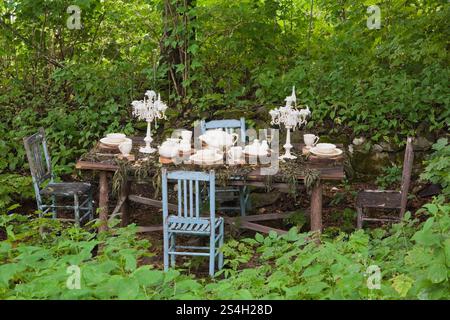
(186,135)
(235,153)
(310,140)
(125,147)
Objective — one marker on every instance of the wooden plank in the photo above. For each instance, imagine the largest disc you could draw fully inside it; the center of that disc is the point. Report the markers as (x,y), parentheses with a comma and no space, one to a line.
(149,229)
(151,202)
(260,217)
(260,228)
(89,165)
(124,192)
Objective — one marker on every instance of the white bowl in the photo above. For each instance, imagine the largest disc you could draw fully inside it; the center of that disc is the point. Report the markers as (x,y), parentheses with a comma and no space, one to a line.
(325,147)
(116,137)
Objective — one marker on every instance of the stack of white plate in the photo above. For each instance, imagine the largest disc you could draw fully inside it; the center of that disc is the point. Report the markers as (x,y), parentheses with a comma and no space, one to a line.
(325,150)
(206,157)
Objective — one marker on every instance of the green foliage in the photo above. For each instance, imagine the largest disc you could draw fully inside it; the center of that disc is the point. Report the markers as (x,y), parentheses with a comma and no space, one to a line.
(14,187)
(390,177)
(437,168)
(244,56)
(413,260)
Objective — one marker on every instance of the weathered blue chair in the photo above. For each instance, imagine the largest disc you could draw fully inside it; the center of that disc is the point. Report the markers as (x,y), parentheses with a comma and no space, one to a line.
(41,172)
(189,221)
(227,194)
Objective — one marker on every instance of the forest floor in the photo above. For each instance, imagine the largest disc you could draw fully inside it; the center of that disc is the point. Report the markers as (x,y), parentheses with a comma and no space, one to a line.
(338,214)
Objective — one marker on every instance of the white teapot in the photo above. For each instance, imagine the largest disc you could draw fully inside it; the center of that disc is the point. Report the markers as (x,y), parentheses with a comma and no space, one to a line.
(256,148)
(219,139)
(169,148)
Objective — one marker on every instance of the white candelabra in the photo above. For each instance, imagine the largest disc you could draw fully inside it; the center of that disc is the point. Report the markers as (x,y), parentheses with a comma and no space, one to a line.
(291,118)
(149,109)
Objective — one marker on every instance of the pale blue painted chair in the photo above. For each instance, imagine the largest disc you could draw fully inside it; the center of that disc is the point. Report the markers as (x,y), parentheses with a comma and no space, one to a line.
(189,221)
(41,172)
(226,194)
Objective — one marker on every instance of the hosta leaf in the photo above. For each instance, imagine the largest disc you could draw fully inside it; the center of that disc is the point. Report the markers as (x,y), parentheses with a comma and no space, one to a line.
(437,273)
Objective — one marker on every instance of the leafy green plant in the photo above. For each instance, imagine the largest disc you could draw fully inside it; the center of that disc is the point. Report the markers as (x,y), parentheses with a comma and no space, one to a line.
(390,177)
(437,167)
(14,187)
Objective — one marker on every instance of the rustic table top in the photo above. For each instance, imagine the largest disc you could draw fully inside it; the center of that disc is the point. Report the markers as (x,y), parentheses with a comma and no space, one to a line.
(105,159)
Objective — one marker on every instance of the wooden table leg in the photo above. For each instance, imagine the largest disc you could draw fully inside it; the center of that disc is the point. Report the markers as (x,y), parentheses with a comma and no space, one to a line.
(316,208)
(124,192)
(103,201)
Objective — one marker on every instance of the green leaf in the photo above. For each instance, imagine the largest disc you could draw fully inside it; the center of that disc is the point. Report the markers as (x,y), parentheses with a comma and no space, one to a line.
(402,284)
(437,273)
(259,237)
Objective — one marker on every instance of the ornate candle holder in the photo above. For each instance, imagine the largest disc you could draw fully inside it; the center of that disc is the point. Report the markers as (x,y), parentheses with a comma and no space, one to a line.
(291,118)
(149,109)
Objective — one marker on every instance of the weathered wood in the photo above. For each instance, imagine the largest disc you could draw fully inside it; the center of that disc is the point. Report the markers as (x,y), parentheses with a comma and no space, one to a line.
(316,208)
(103,201)
(66,188)
(90,165)
(386,199)
(150,229)
(124,192)
(151,202)
(259,217)
(259,227)
(406,175)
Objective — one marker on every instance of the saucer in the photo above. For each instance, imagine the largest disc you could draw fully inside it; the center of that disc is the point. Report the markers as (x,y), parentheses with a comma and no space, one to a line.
(335,153)
(197,159)
(112,142)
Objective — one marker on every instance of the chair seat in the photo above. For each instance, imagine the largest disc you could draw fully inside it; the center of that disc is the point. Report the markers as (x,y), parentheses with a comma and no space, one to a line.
(66,188)
(191,225)
(379,199)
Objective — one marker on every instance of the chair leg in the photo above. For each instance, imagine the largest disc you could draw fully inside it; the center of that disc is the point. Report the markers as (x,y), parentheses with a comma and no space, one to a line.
(360,218)
(221,235)
(166,249)
(172,248)
(53,208)
(212,251)
(91,205)
(242,203)
(76,207)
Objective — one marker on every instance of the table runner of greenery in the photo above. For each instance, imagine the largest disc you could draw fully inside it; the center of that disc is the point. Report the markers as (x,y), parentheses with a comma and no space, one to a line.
(147,168)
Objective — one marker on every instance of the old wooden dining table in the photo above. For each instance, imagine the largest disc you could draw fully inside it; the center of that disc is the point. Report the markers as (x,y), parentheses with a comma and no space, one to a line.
(329,170)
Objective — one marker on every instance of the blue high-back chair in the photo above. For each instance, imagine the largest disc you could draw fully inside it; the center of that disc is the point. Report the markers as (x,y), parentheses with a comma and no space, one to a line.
(41,172)
(227,194)
(189,221)
(229,125)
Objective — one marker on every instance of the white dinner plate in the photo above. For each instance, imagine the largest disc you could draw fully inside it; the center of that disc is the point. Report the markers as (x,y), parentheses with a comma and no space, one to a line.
(112,142)
(206,161)
(335,153)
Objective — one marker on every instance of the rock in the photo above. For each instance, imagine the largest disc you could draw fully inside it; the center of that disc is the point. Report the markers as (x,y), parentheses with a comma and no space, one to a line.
(259,200)
(422,144)
(377,148)
(359,141)
(350,149)
(388,147)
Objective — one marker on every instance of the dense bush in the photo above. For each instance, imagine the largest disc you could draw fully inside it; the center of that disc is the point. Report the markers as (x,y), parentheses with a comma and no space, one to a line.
(413,261)
(437,167)
(244,57)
